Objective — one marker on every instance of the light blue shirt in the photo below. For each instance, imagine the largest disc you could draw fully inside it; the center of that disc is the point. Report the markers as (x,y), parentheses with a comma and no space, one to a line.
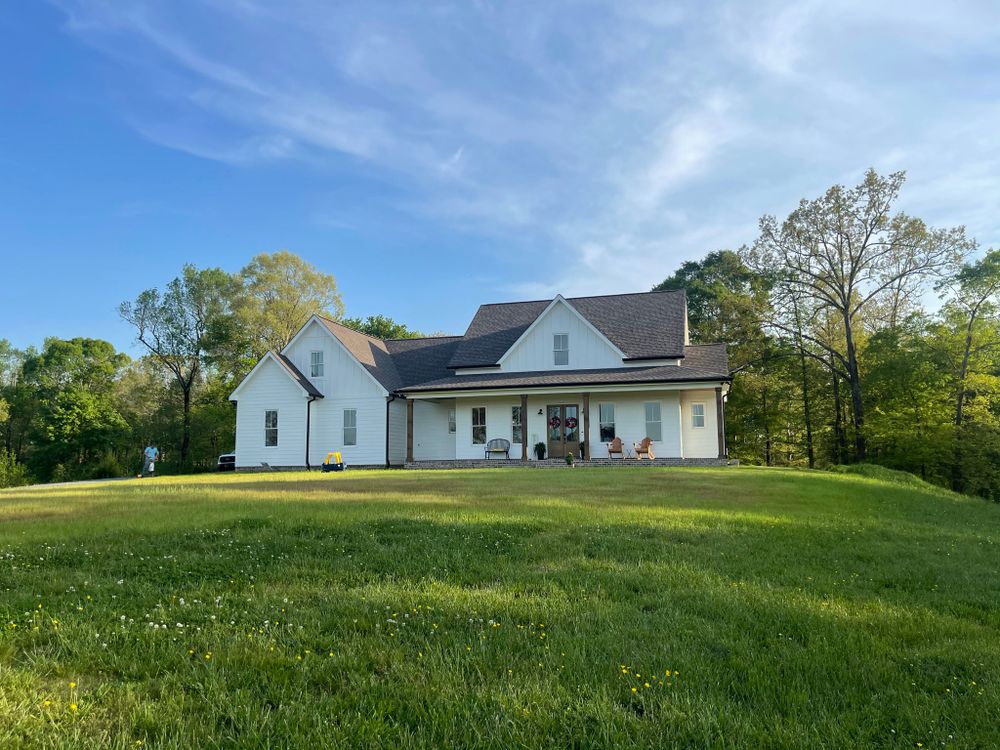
(152,453)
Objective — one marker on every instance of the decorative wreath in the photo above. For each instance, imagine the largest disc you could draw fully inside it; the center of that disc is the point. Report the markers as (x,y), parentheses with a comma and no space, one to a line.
(571,422)
(555,422)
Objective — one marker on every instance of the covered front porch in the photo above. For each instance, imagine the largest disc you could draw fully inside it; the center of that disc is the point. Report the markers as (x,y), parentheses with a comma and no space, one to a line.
(685,424)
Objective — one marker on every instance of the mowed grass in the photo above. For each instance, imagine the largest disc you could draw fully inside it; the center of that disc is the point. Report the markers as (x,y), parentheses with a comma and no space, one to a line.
(499,608)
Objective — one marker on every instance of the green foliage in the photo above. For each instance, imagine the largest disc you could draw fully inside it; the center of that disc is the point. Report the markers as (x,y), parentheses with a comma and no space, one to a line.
(382,327)
(12,474)
(280,292)
(493,609)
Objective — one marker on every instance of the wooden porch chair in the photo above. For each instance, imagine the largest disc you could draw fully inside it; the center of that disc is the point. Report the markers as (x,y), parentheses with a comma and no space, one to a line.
(645,448)
(616,447)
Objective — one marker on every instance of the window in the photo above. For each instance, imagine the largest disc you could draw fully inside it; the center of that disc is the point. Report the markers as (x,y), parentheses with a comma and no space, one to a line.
(697,415)
(315,364)
(516,434)
(270,428)
(451,421)
(350,426)
(607,417)
(653,427)
(478,425)
(560,349)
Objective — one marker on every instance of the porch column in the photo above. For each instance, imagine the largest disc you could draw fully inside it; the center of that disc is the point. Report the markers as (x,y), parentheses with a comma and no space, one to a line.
(720,420)
(586,426)
(409,430)
(524,427)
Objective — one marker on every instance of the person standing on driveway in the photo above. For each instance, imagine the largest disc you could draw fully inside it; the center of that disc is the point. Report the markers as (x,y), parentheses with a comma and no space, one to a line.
(149,457)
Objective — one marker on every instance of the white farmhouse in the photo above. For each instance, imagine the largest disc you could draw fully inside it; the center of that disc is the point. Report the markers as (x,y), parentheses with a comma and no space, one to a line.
(572,374)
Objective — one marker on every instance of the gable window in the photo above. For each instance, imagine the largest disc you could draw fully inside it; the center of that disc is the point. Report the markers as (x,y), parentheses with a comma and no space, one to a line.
(270,428)
(350,426)
(607,419)
(315,364)
(560,349)
(451,421)
(697,415)
(478,425)
(516,434)
(654,427)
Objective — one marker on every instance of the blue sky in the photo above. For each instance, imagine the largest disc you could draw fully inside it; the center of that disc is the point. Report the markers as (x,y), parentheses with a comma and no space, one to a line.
(435,155)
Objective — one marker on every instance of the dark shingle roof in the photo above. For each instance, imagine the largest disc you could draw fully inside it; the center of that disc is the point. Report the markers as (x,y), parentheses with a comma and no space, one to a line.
(420,360)
(702,362)
(369,351)
(648,325)
(294,371)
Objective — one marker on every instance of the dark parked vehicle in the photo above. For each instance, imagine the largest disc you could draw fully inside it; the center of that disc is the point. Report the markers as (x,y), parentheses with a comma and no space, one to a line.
(227,462)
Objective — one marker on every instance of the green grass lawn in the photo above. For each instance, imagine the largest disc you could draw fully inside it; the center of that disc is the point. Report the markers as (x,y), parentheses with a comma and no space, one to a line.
(499,608)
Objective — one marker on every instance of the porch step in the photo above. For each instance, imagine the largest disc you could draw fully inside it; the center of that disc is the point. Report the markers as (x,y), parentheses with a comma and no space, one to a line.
(558,463)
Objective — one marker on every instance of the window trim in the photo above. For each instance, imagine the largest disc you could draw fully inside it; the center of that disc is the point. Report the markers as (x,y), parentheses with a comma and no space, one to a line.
(312,364)
(703,415)
(601,423)
(658,422)
(346,427)
(268,428)
(472,421)
(556,351)
(516,424)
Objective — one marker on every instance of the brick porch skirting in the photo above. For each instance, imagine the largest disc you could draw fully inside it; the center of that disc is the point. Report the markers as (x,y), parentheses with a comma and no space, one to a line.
(558,463)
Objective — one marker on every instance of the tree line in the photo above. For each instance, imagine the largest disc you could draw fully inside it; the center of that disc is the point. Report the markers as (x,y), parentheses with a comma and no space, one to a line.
(79,409)
(856,333)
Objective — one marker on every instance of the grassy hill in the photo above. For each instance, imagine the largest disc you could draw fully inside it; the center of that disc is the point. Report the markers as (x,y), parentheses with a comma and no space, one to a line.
(500,608)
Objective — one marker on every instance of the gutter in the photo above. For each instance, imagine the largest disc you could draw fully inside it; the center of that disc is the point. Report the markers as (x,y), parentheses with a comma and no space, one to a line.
(308,415)
(392,397)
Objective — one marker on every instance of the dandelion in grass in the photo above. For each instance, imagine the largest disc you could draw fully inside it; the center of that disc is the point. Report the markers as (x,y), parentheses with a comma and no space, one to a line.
(72,707)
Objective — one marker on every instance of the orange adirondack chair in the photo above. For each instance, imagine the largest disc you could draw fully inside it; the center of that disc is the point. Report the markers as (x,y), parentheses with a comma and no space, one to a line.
(645,448)
(615,446)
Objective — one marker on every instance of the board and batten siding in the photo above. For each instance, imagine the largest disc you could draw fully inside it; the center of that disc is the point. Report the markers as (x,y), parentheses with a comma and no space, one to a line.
(345,384)
(587,349)
(431,439)
(700,442)
(270,388)
(630,422)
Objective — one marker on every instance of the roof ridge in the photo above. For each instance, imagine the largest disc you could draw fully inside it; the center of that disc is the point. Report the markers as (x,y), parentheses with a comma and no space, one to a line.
(348,328)
(423,338)
(586,296)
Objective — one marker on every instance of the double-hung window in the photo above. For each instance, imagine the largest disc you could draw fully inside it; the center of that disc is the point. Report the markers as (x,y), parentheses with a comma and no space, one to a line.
(516,433)
(560,349)
(316,364)
(697,415)
(654,427)
(451,421)
(350,426)
(270,428)
(478,425)
(607,417)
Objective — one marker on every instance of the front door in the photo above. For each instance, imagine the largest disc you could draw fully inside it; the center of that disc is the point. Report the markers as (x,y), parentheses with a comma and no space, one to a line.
(563,422)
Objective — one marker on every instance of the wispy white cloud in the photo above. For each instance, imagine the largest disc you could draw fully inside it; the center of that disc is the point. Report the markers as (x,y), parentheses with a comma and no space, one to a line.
(611,141)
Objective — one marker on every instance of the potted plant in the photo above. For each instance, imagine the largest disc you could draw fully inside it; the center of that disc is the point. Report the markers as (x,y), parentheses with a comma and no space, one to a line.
(540,451)
(570,459)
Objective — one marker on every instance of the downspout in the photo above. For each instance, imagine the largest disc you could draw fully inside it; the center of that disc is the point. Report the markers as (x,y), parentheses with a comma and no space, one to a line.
(308,415)
(392,397)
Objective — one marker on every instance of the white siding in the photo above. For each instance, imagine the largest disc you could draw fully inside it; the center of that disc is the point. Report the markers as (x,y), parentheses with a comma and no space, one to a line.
(431,439)
(630,421)
(270,388)
(498,424)
(328,429)
(700,442)
(587,349)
